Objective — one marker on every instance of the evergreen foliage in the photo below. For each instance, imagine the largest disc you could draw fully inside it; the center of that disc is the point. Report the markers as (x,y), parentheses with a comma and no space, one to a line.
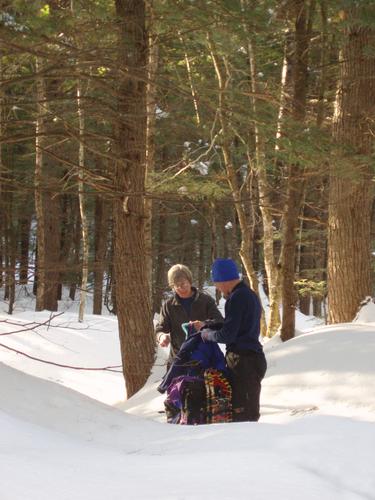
(189,181)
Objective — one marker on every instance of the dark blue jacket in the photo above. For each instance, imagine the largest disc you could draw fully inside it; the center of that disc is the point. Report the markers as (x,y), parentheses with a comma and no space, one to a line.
(241,327)
(193,357)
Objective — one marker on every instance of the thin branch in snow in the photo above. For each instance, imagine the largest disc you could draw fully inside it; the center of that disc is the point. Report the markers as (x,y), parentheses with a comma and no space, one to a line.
(104,368)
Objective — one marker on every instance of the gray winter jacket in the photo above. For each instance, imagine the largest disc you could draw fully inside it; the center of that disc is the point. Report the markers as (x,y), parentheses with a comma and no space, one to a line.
(172,315)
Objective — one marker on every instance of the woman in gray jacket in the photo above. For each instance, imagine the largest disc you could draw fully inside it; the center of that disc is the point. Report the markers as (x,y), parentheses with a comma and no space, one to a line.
(187,304)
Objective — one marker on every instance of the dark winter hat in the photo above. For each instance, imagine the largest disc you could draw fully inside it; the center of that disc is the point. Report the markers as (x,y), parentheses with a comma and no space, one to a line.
(224,270)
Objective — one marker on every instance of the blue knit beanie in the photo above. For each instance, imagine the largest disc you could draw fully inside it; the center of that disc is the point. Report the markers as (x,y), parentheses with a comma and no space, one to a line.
(224,270)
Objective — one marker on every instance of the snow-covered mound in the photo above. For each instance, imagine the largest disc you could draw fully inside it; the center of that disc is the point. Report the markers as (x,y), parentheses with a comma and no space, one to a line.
(366,313)
(60,444)
(330,369)
(315,439)
(63,340)
(58,408)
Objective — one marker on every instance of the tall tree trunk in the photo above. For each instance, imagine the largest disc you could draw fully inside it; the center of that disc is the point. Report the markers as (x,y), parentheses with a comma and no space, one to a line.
(2,172)
(10,252)
(320,115)
(82,204)
(295,174)
(101,235)
(201,275)
(75,277)
(10,239)
(213,239)
(265,205)
(183,236)
(161,254)
(319,247)
(152,66)
(224,237)
(47,194)
(351,175)
(52,215)
(40,267)
(305,261)
(132,288)
(110,288)
(24,232)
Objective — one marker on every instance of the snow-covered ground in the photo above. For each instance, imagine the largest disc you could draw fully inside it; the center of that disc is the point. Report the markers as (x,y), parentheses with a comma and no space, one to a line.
(68,434)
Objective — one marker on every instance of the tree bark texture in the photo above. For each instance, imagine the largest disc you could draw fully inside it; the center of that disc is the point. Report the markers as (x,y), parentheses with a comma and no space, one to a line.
(24,233)
(82,204)
(40,277)
(151,93)
(295,175)
(101,236)
(351,178)
(132,286)
(265,205)
(161,255)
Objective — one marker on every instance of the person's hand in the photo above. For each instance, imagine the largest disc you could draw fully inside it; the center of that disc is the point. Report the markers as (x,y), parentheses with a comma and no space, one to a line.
(205,334)
(164,340)
(197,324)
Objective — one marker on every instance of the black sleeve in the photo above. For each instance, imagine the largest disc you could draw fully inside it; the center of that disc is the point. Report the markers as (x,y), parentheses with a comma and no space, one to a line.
(164,323)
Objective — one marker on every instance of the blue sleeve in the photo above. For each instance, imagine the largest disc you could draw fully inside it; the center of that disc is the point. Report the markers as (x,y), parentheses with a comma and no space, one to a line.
(232,322)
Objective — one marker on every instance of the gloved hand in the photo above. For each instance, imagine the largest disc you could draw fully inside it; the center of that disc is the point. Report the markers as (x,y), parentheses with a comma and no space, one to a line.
(198,325)
(205,334)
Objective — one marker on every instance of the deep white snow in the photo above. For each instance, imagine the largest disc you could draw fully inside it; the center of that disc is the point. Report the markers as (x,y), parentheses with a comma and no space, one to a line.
(68,434)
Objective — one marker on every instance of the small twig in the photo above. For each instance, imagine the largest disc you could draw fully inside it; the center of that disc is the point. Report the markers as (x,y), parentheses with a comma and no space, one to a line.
(104,368)
(36,325)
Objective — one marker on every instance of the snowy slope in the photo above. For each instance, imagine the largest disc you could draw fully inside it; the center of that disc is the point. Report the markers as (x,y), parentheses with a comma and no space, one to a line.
(315,440)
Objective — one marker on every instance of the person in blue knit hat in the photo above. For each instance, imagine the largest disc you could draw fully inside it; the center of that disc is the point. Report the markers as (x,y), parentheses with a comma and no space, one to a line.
(240,332)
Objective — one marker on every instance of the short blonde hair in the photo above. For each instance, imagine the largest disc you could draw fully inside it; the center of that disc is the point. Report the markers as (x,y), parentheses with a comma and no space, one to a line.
(179,272)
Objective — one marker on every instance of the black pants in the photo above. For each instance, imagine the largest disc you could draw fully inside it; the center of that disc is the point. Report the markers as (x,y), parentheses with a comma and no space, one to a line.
(247,369)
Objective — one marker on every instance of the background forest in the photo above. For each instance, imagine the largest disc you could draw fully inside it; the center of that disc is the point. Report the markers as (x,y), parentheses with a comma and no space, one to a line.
(137,134)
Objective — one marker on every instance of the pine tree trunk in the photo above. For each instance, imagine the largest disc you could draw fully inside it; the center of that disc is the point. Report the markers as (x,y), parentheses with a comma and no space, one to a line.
(132,287)
(183,236)
(110,287)
(2,172)
(201,277)
(320,115)
(351,176)
(161,255)
(101,235)
(40,268)
(306,263)
(74,259)
(52,217)
(295,175)
(265,206)
(82,205)
(152,65)
(24,231)
(11,268)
